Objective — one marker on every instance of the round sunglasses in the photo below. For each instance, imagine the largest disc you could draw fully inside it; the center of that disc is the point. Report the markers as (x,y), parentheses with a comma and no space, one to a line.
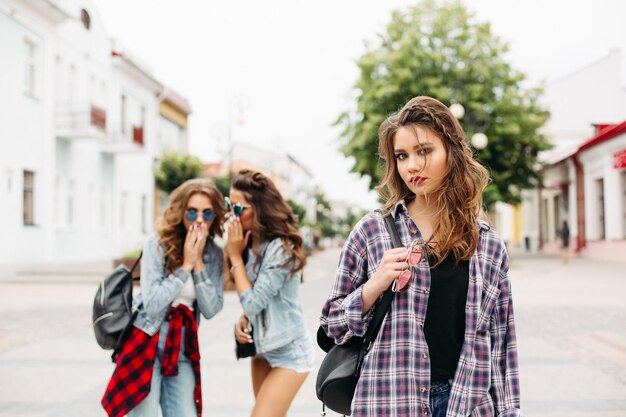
(192,215)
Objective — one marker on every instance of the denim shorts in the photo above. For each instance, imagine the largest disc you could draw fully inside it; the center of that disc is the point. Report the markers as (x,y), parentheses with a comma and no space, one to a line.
(297,355)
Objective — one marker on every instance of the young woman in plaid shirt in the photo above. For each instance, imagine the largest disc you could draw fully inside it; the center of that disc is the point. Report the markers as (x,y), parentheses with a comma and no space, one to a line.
(447,346)
(181,278)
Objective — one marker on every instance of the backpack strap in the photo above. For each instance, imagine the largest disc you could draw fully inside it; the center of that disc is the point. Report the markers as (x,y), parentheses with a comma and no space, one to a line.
(380,311)
(135,266)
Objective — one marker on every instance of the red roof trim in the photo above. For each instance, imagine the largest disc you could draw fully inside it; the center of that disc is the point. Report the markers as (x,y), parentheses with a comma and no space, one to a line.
(605,134)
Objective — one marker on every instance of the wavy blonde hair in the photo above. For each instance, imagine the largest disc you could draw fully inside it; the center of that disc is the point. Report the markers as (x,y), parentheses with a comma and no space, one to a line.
(171,229)
(458,200)
(273,217)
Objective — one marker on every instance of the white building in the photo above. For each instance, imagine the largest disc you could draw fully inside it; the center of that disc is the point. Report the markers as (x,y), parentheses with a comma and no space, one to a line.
(580,104)
(79,136)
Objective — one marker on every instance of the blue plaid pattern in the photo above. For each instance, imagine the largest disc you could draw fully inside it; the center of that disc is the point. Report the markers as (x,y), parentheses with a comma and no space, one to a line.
(395,378)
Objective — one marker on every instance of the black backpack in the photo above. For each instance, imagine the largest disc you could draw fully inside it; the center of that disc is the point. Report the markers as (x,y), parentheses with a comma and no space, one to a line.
(112,309)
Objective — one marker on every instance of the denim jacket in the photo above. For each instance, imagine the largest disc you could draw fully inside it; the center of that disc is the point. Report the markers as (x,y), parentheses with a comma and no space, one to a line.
(273,303)
(159,290)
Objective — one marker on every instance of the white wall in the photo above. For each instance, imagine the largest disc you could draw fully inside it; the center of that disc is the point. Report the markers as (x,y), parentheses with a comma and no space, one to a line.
(90,202)
(26,128)
(591,94)
(598,164)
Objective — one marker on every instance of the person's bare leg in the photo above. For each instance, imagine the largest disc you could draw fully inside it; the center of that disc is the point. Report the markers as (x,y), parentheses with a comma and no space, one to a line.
(565,255)
(277,392)
(259,368)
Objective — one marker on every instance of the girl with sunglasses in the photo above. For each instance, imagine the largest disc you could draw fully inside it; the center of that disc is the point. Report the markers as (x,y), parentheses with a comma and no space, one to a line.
(181,278)
(267,256)
(447,346)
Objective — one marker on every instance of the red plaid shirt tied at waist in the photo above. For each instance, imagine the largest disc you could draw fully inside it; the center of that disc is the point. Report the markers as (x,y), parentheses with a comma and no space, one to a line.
(130,383)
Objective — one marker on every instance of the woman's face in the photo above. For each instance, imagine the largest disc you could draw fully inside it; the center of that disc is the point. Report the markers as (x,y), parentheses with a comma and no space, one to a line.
(199,210)
(421,158)
(247,213)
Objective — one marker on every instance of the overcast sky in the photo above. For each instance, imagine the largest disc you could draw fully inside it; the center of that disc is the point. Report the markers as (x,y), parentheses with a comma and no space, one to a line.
(290,64)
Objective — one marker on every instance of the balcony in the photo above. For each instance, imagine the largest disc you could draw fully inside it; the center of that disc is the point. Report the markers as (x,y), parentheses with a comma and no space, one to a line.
(130,141)
(80,120)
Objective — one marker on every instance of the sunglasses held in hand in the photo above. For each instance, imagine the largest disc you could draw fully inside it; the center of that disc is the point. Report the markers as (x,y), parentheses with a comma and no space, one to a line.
(414,256)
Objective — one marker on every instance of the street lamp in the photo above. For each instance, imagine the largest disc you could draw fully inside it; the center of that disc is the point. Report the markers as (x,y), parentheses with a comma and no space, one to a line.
(478,140)
(457,110)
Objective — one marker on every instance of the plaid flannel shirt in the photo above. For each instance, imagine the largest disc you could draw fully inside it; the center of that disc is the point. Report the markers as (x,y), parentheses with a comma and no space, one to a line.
(395,377)
(132,378)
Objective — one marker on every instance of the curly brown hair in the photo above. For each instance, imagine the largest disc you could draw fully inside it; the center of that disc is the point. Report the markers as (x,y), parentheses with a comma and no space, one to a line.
(458,200)
(273,217)
(171,229)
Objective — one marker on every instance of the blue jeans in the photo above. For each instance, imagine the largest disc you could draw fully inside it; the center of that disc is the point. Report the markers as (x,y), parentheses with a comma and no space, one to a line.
(439,396)
(173,393)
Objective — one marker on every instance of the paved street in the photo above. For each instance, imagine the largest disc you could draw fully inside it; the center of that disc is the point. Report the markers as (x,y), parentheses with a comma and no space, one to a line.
(571,329)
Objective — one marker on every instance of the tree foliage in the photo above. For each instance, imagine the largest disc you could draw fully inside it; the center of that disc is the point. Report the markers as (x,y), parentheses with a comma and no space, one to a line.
(174,169)
(298,210)
(325,222)
(439,49)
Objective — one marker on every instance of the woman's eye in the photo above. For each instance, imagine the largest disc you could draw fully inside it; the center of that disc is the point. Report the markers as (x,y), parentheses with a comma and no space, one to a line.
(400,156)
(424,151)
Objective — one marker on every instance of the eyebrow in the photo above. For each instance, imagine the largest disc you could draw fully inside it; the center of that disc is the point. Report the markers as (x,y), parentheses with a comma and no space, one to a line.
(420,145)
(197,209)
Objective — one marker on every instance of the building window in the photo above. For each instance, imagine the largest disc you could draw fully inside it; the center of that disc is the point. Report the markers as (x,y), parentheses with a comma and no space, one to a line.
(30,68)
(557,214)
(29,198)
(85,18)
(600,216)
(545,219)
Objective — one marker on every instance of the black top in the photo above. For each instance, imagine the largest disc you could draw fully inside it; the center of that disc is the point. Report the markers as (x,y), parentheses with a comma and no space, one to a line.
(445,317)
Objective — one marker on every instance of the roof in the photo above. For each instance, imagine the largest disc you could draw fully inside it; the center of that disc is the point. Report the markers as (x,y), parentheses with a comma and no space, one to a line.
(178,101)
(605,134)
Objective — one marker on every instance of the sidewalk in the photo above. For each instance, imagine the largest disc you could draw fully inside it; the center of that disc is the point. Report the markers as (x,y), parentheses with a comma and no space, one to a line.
(59,272)
(571,327)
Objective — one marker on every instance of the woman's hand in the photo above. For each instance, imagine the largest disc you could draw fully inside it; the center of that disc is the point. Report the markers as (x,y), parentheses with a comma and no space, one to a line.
(390,267)
(192,249)
(243,330)
(237,241)
(203,232)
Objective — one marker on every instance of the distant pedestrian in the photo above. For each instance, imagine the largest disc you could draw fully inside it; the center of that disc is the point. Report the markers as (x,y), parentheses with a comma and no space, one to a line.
(181,277)
(267,256)
(447,346)
(565,242)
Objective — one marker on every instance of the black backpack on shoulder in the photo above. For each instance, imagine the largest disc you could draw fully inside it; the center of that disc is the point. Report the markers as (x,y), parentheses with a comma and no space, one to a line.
(112,309)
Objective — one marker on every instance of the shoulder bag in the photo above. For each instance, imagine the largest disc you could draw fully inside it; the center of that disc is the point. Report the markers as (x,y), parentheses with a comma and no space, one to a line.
(340,370)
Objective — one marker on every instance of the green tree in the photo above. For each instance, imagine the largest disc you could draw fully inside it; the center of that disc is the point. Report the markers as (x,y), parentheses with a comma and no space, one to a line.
(346,223)
(223,184)
(438,48)
(325,222)
(298,210)
(175,169)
